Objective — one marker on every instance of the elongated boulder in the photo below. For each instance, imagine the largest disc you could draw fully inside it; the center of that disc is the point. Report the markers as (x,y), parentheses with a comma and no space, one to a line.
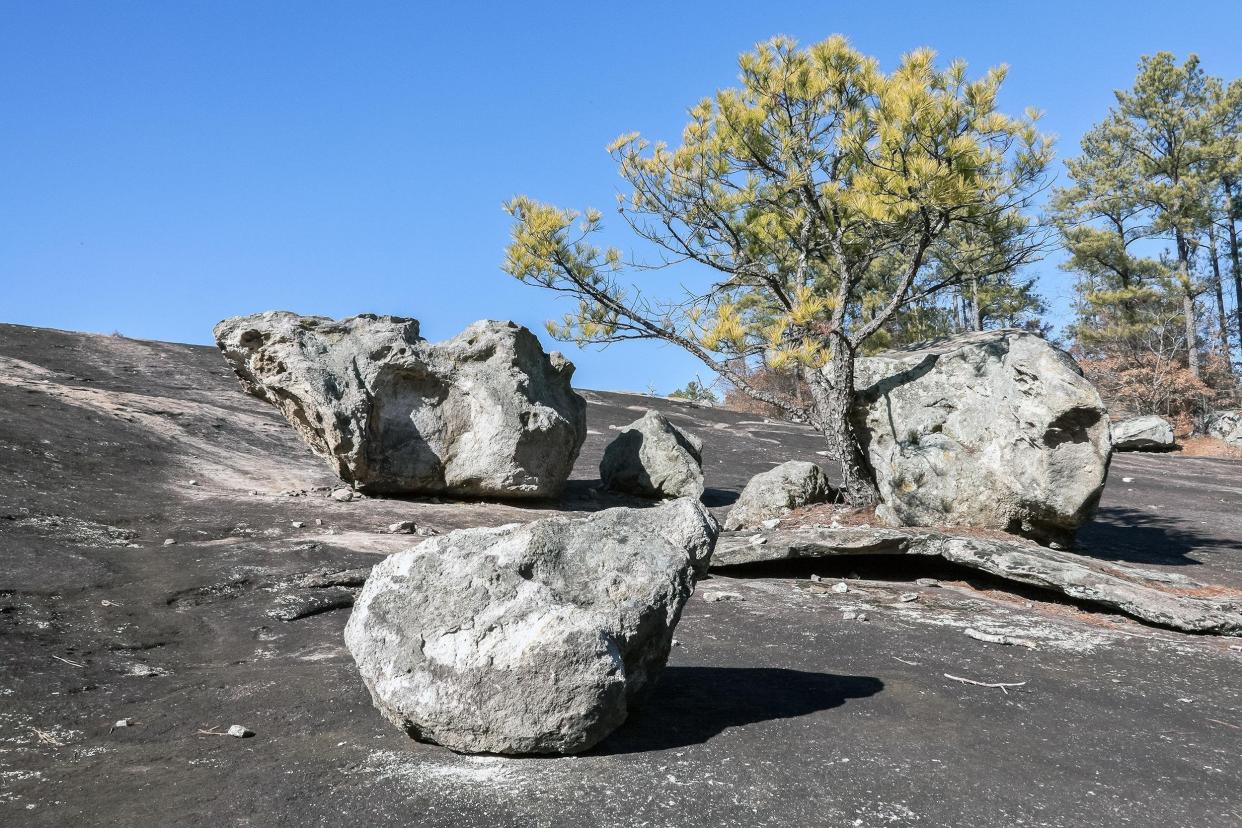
(484,413)
(1226,425)
(528,639)
(1156,597)
(997,429)
(651,457)
(1150,433)
(773,493)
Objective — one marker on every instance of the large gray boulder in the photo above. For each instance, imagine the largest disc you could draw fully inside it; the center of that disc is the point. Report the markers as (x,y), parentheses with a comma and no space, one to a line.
(651,457)
(484,413)
(997,429)
(773,493)
(1148,433)
(528,639)
(1225,425)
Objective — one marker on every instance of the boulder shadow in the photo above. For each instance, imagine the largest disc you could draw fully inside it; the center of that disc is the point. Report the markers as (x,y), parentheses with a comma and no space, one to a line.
(690,705)
(1120,533)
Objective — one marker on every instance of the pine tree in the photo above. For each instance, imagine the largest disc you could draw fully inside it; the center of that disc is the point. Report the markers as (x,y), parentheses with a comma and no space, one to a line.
(817,192)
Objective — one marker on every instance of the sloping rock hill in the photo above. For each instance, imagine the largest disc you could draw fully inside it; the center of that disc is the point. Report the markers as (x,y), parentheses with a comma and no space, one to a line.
(780,706)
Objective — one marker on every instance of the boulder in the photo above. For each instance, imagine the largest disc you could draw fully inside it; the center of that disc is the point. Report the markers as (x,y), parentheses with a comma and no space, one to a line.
(484,413)
(771,494)
(997,429)
(1225,425)
(1150,433)
(1157,597)
(651,457)
(528,639)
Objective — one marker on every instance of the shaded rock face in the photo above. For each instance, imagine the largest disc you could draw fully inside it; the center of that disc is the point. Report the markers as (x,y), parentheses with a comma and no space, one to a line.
(1150,433)
(484,413)
(997,429)
(651,457)
(771,494)
(1226,425)
(528,639)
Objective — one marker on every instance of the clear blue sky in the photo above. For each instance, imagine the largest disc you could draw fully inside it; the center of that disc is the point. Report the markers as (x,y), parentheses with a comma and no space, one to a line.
(167,164)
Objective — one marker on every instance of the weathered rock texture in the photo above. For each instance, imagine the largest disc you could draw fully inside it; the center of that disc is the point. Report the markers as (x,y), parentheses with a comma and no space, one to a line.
(484,413)
(1226,425)
(528,639)
(651,457)
(1152,596)
(771,494)
(1150,433)
(996,429)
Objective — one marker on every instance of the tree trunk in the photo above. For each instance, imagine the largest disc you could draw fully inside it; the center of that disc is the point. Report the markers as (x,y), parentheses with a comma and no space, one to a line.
(1234,257)
(1222,320)
(834,399)
(976,319)
(1188,304)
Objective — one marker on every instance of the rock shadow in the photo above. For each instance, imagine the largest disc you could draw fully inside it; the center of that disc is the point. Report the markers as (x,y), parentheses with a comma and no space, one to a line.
(1121,533)
(692,704)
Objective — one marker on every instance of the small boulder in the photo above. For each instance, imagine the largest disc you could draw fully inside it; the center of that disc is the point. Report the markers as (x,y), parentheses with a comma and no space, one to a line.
(997,430)
(1225,425)
(771,494)
(534,638)
(484,413)
(651,457)
(1150,433)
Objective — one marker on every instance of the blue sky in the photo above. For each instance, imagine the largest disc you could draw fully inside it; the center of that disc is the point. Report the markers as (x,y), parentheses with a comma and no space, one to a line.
(164,165)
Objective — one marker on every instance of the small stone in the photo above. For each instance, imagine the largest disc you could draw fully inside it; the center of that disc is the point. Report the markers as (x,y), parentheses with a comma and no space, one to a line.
(343,495)
(927,582)
(297,524)
(404,527)
(772,523)
(124,723)
(848,615)
(862,616)
(169,541)
(1055,545)
(1127,480)
(192,483)
(318,522)
(239,732)
(907,597)
(716,597)
(816,579)
(676,643)
(758,540)
(840,587)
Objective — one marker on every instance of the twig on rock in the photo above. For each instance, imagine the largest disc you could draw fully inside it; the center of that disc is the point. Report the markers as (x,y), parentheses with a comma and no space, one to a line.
(993,638)
(1002,685)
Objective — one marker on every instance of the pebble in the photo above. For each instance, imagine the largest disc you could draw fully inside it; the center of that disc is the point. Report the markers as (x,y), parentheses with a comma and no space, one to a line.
(124,723)
(927,582)
(758,540)
(841,587)
(297,524)
(169,541)
(240,732)
(343,495)
(192,483)
(771,523)
(907,597)
(318,522)
(1127,480)
(405,527)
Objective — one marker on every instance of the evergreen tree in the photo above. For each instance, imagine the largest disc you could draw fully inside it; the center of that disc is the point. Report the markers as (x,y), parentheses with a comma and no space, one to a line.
(818,193)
